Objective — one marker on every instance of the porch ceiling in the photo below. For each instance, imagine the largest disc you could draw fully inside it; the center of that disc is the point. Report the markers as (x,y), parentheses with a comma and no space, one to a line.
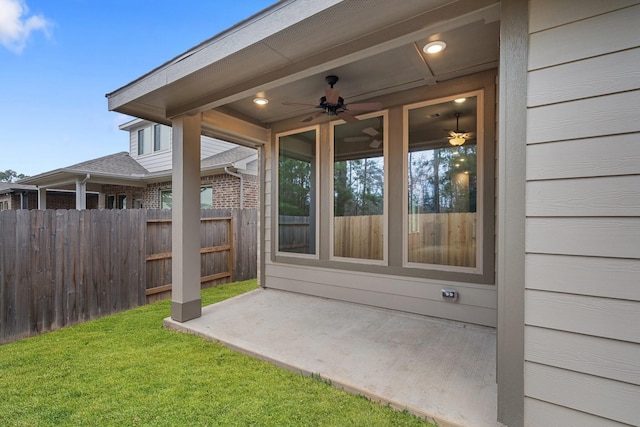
(284,53)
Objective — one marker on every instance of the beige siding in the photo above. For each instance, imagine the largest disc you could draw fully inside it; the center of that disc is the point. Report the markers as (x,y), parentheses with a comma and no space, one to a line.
(211,146)
(582,303)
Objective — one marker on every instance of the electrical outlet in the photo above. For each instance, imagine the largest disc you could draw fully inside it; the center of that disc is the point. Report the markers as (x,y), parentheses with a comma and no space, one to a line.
(449,294)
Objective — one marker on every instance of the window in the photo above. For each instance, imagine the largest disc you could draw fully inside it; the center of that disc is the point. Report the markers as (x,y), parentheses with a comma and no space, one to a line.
(297,192)
(443,188)
(111,202)
(116,201)
(161,137)
(359,189)
(144,141)
(206,198)
(156,137)
(122,201)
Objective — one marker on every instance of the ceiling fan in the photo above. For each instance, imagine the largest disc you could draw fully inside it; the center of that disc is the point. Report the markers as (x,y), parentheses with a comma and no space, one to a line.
(333,104)
(458,137)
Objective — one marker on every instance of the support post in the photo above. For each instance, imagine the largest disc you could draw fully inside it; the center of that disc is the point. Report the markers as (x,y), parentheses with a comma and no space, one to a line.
(185,293)
(42,198)
(512,144)
(81,195)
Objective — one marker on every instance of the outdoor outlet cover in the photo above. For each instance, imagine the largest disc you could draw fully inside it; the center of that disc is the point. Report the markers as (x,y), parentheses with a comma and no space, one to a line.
(449,294)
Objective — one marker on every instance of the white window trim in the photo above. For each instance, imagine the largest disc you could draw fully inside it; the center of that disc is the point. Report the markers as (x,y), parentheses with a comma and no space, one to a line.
(480,208)
(385,220)
(153,140)
(276,175)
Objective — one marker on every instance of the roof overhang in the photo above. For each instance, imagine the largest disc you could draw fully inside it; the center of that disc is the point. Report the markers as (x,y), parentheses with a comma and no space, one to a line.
(67,178)
(285,50)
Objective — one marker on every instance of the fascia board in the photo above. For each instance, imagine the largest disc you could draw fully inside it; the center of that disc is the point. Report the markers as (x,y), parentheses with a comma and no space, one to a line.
(272,20)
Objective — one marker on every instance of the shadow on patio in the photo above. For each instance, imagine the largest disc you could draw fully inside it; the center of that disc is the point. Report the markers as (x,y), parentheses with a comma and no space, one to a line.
(441,370)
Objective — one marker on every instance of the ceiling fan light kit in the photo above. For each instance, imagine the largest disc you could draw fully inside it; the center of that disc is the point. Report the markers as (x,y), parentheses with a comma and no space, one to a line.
(457,137)
(333,104)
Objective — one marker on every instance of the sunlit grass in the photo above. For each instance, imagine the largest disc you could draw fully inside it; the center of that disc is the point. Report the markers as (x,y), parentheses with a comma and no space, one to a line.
(126,370)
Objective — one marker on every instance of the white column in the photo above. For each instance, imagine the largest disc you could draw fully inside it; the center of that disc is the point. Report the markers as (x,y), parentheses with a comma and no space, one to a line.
(81,195)
(42,198)
(185,293)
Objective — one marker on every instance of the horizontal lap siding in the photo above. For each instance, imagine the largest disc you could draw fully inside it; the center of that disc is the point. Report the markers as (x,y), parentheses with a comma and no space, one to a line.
(412,295)
(582,300)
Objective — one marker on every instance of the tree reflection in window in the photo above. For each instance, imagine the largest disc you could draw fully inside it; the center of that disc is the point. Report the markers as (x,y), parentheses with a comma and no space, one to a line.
(442,184)
(296,193)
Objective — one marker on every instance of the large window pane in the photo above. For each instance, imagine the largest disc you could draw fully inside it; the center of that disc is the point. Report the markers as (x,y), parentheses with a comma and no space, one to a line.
(297,193)
(161,137)
(442,184)
(144,141)
(358,189)
(206,197)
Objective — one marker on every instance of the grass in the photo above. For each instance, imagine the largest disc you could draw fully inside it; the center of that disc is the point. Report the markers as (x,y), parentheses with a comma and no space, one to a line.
(126,370)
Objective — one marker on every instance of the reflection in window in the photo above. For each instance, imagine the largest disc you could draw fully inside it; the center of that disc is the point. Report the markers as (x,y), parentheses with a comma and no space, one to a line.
(358,189)
(296,193)
(442,185)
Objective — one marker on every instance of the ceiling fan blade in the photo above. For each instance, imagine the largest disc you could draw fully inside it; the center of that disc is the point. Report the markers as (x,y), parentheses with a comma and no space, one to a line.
(298,104)
(368,106)
(371,131)
(312,117)
(347,117)
(333,95)
(360,138)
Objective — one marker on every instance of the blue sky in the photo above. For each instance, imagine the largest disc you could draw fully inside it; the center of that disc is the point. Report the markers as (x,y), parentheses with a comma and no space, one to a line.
(59,58)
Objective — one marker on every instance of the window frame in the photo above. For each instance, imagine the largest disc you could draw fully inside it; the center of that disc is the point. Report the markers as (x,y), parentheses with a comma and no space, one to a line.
(155,141)
(170,191)
(481,172)
(316,207)
(151,131)
(385,220)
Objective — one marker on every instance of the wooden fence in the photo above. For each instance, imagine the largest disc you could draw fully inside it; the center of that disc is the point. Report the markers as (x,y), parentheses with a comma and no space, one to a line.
(434,238)
(59,267)
(228,249)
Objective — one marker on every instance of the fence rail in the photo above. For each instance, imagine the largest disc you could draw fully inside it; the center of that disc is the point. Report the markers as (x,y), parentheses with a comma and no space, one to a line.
(62,267)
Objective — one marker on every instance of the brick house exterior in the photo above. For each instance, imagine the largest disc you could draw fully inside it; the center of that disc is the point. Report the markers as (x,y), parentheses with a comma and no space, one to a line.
(16,196)
(139,178)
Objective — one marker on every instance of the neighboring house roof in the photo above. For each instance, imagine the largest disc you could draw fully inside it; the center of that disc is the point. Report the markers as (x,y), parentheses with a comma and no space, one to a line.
(228,157)
(11,187)
(118,163)
(121,169)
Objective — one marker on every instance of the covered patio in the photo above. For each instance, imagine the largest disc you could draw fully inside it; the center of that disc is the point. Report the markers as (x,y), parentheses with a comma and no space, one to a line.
(440,370)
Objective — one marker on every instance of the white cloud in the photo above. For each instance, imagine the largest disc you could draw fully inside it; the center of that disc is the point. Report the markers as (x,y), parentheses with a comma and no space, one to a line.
(16,26)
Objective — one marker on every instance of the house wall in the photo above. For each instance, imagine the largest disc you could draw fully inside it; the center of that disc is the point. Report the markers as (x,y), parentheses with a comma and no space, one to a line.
(226,191)
(55,200)
(5,201)
(391,286)
(582,298)
(161,160)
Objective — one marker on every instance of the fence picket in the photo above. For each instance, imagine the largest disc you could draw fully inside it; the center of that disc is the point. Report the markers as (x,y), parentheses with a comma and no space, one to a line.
(58,268)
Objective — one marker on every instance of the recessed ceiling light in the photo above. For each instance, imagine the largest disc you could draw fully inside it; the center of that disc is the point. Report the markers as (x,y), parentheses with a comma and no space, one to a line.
(261,101)
(459,100)
(434,47)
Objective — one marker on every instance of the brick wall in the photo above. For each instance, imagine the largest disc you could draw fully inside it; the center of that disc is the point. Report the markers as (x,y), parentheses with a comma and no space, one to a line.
(226,191)
(55,200)
(132,193)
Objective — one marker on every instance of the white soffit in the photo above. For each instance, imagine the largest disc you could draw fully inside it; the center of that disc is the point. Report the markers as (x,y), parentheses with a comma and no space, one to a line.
(302,32)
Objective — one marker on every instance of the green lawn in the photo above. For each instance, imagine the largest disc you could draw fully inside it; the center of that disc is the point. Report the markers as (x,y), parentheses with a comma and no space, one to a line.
(126,370)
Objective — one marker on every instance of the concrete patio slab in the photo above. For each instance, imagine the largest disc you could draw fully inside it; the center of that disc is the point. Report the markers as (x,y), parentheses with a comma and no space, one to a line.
(440,370)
